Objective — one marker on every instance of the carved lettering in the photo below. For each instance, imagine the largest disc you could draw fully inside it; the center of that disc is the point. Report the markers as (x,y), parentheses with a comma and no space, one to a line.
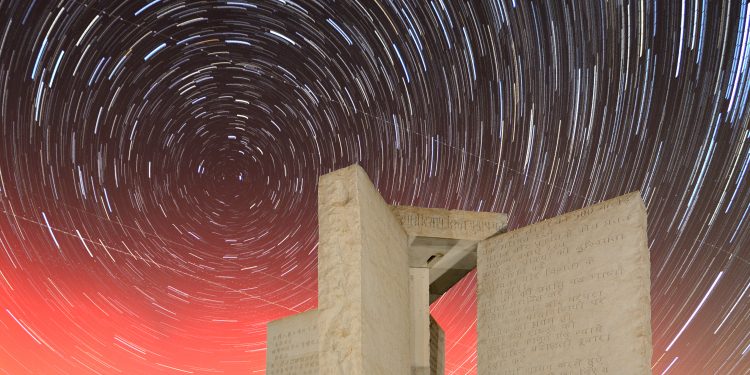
(569,295)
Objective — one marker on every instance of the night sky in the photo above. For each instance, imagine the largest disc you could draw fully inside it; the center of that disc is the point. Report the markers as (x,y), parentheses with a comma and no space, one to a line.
(159,160)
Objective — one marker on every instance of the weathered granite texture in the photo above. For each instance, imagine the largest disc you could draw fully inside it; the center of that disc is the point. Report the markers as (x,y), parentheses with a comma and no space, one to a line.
(363,279)
(569,295)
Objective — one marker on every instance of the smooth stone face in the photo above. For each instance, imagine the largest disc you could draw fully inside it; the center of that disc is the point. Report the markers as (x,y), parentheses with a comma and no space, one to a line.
(292,345)
(569,295)
(363,279)
(419,284)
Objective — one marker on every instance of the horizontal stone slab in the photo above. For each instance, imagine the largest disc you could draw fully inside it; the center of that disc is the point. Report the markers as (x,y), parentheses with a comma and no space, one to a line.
(453,224)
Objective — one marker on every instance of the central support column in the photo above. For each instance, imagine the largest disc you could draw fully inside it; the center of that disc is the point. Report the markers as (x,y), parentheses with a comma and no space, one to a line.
(419,285)
(442,250)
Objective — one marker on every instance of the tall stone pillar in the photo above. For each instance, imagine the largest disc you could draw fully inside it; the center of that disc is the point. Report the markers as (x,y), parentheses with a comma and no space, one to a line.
(363,279)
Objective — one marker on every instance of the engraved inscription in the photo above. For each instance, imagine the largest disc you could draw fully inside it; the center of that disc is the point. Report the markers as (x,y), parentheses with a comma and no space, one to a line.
(450,223)
(569,295)
(453,224)
(293,345)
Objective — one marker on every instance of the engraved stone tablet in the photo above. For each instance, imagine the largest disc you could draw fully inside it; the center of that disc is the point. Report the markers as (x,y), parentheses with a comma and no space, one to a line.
(454,224)
(363,279)
(569,295)
(292,347)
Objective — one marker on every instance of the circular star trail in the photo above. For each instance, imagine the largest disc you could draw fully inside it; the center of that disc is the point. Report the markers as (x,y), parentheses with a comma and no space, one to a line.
(159,160)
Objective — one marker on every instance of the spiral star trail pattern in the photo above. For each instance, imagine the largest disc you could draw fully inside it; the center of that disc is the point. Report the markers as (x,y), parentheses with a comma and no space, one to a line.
(159,159)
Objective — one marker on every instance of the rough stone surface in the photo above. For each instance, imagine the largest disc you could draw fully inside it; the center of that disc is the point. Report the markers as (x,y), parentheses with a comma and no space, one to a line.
(363,279)
(569,295)
(437,348)
(292,345)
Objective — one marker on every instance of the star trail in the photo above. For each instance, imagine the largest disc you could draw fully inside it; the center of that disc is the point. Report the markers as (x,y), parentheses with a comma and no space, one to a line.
(159,160)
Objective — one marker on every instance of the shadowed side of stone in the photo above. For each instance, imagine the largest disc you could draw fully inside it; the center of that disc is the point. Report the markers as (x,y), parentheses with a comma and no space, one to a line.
(437,348)
(445,241)
(442,250)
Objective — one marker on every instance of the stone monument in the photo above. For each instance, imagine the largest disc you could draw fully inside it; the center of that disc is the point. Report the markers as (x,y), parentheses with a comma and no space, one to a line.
(569,295)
